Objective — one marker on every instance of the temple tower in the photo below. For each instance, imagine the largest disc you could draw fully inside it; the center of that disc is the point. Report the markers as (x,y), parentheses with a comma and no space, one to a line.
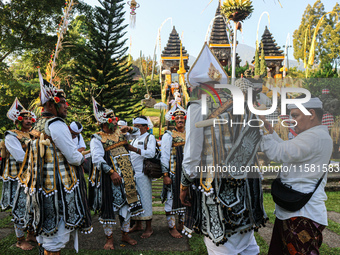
(171,54)
(273,54)
(219,42)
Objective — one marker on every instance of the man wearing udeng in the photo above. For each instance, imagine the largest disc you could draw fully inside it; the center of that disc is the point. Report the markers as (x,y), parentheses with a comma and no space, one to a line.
(306,155)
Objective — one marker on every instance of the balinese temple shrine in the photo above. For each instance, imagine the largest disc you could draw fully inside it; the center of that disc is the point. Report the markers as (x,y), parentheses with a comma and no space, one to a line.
(172,53)
(273,55)
(219,42)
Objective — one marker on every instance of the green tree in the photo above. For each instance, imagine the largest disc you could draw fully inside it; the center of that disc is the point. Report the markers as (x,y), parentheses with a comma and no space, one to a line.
(326,77)
(28,25)
(327,38)
(263,65)
(257,63)
(9,90)
(310,18)
(293,72)
(101,67)
(240,70)
(139,89)
(331,38)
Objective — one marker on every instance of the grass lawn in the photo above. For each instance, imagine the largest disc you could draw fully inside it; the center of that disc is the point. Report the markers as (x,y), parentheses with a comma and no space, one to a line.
(196,242)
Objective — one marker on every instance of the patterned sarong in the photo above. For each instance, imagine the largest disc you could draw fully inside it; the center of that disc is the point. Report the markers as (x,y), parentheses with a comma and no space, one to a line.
(296,236)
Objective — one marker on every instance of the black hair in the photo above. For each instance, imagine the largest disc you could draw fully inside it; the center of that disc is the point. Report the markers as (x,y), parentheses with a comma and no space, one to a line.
(318,111)
(78,125)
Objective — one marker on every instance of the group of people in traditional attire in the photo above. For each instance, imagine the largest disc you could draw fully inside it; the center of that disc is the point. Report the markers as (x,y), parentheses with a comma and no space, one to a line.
(44,181)
(44,184)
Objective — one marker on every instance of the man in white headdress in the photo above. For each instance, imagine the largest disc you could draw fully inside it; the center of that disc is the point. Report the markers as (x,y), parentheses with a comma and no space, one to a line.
(76,128)
(145,146)
(171,160)
(58,200)
(113,175)
(14,170)
(121,123)
(307,155)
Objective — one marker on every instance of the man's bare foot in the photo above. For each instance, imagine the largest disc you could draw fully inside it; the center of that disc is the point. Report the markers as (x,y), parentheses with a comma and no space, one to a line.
(135,228)
(174,233)
(109,244)
(126,238)
(147,234)
(31,238)
(24,245)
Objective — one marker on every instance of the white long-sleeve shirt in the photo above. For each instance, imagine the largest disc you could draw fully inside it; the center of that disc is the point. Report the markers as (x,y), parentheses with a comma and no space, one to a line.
(309,150)
(166,150)
(193,141)
(14,147)
(136,159)
(97,152)
(79,142)
(62,138)
(97,149)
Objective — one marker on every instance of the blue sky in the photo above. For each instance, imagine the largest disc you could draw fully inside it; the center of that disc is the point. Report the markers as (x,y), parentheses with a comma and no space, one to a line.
(189,20)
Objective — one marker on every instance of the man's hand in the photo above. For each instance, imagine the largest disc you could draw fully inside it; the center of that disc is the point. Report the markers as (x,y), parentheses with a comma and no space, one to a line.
(125,129)
(183,197)
(130,147)
(167,180)
(266,123)
(116,179)
(81,149)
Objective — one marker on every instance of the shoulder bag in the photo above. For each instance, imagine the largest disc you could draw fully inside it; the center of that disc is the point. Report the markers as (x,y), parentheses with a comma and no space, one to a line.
(288,198)
(152,166)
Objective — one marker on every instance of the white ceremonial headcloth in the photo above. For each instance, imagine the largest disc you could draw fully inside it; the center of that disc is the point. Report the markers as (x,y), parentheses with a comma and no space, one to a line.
(314,103)
(140,121)
(122,123)
(75,128)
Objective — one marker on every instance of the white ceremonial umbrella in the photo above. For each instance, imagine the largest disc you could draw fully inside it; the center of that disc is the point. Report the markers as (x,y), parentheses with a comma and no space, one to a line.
(160,106)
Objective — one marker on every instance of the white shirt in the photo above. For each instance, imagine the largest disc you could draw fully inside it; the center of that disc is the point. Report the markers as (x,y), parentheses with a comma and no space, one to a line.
(97,152)
(166,149)
(311,148)
(136,159)
(97,149)
(14,147)
(62,138)
(193,141)
(79,142)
